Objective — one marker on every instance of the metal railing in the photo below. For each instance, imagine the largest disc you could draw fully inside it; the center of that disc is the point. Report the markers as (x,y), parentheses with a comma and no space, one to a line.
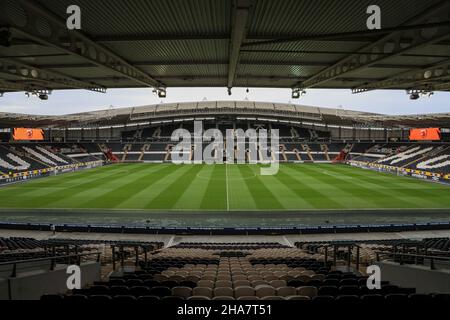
(403,258)
(53,261)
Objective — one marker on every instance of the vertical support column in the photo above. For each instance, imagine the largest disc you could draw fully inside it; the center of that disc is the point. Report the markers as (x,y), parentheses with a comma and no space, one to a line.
(68,253)
(349,256)
(136,251)
(357,257)
(113,247)
(145,255)
(122,259)
(335,255)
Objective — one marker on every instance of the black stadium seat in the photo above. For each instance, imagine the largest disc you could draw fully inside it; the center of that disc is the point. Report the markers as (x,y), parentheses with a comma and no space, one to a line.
(420,298)
(148,298)
(160,291)
(323,299)
(139,291)
(124,298)
(76,298)
(349,290)
(372,298)
(348,298)
(119,290)
(396,297)
(100,298)
(328,291)
(52,297)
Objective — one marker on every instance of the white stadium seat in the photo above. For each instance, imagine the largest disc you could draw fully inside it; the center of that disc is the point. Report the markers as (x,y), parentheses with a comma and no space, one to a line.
(51,155)
(40,156)
(23,165)
(402,156)
(434,163)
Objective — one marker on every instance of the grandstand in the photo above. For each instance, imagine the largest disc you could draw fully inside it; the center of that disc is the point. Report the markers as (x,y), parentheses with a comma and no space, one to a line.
(104,190)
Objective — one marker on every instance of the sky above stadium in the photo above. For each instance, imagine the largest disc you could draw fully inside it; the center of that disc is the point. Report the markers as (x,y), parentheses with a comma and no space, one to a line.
(74,101)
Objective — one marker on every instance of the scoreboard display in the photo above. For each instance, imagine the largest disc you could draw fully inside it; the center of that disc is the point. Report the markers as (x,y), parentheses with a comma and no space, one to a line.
(427,134)
(28,134)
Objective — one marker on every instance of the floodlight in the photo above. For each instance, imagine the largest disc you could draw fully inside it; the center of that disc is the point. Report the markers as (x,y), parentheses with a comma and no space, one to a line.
(162,93)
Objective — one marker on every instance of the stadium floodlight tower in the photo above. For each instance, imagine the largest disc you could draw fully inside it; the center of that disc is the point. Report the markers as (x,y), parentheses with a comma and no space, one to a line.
(297,93)
(161,92)
(415,94)
(41,94)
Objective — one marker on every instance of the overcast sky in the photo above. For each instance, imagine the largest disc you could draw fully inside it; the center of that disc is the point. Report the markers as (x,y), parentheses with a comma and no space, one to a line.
(73,101)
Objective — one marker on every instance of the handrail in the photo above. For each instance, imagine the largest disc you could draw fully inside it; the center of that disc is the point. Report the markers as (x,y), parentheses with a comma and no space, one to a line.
(416,256)
(52,259)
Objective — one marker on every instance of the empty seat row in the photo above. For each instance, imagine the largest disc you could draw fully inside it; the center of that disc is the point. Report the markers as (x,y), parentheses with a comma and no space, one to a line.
(371,298)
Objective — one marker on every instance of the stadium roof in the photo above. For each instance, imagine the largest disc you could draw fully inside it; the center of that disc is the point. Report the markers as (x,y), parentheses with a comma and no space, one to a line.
(224,43)
(161,113)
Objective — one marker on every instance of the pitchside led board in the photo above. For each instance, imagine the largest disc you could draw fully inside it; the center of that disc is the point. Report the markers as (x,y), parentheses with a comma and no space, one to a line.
(28,134)
(427,134)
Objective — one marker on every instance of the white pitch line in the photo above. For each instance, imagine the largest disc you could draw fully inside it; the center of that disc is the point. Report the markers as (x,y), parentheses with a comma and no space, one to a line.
(226,182)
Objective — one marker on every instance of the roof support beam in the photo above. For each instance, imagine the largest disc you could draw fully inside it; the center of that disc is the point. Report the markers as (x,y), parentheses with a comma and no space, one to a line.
(347,36)
(418,78)
(442,86)
(240,15)
(40,18)
(340,52)
(206,62)
(11,86)
(388,46)
(31,73)
(224,78)
(208,37)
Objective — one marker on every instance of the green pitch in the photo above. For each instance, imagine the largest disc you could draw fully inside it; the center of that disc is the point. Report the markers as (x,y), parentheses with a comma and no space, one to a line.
(225,188)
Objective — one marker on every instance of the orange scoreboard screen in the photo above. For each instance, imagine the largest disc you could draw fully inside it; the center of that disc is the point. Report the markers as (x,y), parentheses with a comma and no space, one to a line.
(28,134)
(425,134)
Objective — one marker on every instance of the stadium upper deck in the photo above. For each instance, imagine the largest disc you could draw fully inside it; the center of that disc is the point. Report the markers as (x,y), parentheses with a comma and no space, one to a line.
(294,112)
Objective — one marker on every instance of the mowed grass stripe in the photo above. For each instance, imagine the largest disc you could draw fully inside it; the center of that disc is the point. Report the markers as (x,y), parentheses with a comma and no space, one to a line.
(311,197)
(343,190)
(215,195)
(417,194)
(168,197)
(42,198)
(51,183)
(239,196)
(358,186)
(333,191)
(263,197)
(91,196)
(163,186)
(112,195)
(151,187)
(431,194)
(193,195)
(69,182)
(283,192)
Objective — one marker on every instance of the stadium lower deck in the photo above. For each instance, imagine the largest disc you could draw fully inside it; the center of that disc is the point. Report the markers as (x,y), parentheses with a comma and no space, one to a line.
(228,195)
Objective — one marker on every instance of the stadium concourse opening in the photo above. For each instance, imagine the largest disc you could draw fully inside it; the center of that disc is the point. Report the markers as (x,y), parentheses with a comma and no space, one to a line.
(254,197)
